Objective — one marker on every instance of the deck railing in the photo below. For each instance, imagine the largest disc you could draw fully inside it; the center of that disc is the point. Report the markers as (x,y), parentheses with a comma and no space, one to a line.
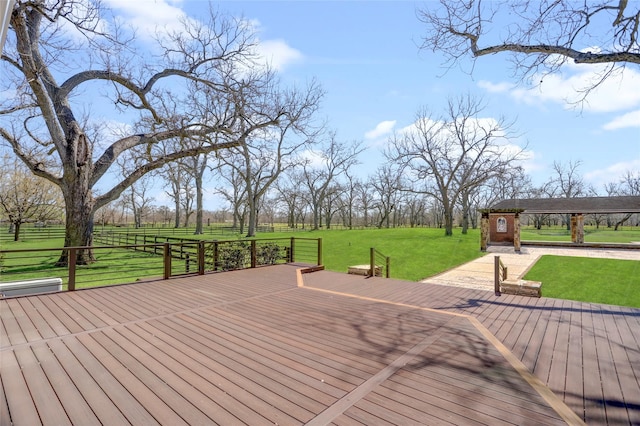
(126,263)
(500,274)
(379,263)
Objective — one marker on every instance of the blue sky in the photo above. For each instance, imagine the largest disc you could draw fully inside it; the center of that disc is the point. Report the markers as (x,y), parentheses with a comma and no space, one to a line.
(365,55)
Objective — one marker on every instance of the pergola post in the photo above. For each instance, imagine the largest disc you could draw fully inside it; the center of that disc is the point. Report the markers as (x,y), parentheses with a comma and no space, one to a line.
(516,233)
(577,228)
(484,231)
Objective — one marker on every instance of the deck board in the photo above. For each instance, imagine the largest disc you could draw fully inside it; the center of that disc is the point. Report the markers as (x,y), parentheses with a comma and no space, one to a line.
(250,347)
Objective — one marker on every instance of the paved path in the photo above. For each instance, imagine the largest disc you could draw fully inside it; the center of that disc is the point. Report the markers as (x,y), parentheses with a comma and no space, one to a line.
(478,274)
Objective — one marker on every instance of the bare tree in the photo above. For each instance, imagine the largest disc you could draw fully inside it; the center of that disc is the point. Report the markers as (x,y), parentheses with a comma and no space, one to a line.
(25,197)
(566,182)
(454,153)
(542,35)
(235,192)
(196,166)
(268,151)
(628,185)
(152,84)
(386,184)
(288,187)
(335,159)
(349,199)
(139,200)
(366,200)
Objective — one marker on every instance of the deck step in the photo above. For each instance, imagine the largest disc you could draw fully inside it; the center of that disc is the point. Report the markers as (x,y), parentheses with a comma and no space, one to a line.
(521,287)
(364,270)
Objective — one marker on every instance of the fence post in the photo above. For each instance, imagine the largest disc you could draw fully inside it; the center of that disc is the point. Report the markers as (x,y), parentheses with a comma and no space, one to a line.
(253,253)
(388,264)
(292,249)
(215,255)
(496,275)
(319,251)
(167,261)
(372,262)
(201,258)
(72,257)
(187,261)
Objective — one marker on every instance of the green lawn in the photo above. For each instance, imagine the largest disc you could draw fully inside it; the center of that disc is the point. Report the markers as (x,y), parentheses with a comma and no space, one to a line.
(592,234)
(609,281)
(416,253)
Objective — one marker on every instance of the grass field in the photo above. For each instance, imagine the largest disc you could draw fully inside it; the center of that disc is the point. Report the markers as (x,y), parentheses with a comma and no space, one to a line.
(609,281)
(592,234)
(416,253)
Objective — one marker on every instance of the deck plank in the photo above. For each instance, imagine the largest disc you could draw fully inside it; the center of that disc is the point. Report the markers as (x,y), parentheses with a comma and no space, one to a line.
(21,406)
(75,366)
(594,412)
(68,395)
(247,388)
(200,389)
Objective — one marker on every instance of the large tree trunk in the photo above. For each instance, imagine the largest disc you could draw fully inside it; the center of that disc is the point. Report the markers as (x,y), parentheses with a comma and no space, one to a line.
(16,230)
(199,207)
(79,226)
(316,217)
(448,222)
(78,200)
(622,221)
(465,213)
(176,222)
(251,228)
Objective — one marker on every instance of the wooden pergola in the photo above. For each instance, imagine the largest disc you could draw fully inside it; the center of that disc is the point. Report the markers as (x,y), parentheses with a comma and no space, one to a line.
(501,222)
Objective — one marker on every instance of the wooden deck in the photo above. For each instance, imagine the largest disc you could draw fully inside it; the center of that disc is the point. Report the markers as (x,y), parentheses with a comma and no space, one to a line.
(255,347)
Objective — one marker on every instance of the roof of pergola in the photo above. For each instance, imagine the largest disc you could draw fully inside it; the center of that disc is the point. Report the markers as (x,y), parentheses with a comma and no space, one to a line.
(583,205)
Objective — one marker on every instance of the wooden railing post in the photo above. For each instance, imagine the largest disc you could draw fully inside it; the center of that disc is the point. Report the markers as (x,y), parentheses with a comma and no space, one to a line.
(372,262)
(167,261)
(388,275)
(201,258)
(253,253)
(292,249)
(72,257)
(496,275)
(319,251)
(215,255)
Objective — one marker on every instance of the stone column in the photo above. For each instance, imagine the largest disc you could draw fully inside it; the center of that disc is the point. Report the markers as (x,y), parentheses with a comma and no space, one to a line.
(484,231)
(579,228)
(574,228)
(516,232)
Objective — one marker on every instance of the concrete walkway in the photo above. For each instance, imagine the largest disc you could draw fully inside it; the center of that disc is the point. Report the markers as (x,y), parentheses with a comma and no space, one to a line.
(478,274)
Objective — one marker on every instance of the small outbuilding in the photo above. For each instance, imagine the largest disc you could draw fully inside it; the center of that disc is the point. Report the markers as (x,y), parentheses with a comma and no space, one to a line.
(501,222)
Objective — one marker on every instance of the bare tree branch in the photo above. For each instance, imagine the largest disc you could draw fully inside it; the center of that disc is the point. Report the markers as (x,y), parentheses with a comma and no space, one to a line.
(541,34)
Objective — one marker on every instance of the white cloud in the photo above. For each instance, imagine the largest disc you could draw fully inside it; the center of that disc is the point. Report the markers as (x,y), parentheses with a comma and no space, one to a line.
(316,159)
(612,173)
(277,53)
(382,129)
(150,17)
(495,87)
(630,119)
(618,92)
